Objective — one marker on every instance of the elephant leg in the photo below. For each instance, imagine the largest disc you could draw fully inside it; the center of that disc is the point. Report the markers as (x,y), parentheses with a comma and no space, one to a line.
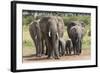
(78,51)
(38,44)
(69,50)
(74,48)
(56,52)
(80,47)
(50,53)
(66,51)
(47,49)
(42,46)
(63,49)
(37,50)
(35,42)
(77,48)
(59,49)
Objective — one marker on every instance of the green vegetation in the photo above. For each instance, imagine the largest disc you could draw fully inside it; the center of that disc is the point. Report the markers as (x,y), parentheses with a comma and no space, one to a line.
(85,19)
(27,20)
(28,43)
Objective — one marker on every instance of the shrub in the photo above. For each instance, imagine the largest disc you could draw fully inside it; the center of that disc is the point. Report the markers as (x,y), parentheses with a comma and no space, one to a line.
(27,20)
(85,19)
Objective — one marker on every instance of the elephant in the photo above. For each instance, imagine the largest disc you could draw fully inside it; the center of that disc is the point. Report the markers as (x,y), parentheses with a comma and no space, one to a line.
(75,31)
(51,29)
(60,25)
(35,33)
(62,45)
(68,47)
(74,23)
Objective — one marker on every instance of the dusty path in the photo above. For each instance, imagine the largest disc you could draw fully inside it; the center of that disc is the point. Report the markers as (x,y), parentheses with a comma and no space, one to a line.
(84,56)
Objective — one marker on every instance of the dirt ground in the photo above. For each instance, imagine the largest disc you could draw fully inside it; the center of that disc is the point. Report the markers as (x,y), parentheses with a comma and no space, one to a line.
(85,55)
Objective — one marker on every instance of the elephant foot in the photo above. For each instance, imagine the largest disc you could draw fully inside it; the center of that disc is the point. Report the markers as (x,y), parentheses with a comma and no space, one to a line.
(69,54)
(50,57)
(38,55)
(43,55)
(66,54)
(78,54)
(74,54)
(53,58)
(46,53)
(60,55)
(57,58)
(80,51)
(63,54)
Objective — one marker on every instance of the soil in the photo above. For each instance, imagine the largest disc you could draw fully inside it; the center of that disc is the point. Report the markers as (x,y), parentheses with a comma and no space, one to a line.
(85,55)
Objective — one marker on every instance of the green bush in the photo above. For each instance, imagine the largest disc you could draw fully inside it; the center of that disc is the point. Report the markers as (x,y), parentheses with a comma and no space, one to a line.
(85,19)
(27,20)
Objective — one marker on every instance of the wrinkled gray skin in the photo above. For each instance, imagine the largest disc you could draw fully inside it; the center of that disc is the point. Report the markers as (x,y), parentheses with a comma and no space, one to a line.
(60,25)
(75,31)
(68,47)
(51,29)
(35,33)
(62,45)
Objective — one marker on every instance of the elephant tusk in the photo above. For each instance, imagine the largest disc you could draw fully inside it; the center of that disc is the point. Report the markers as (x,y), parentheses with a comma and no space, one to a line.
(36,37)
(49,34)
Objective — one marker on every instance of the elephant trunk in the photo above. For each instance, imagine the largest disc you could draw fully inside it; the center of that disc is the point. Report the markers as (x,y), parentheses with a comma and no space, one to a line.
(55,44)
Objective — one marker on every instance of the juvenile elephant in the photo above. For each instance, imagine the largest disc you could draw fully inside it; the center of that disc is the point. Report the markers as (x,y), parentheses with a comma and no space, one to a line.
(62,45)
(75,31)
(35,33)
(52,29)
(68,47)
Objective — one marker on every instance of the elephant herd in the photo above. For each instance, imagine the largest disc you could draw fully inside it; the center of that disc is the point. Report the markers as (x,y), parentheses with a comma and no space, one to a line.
(47,33)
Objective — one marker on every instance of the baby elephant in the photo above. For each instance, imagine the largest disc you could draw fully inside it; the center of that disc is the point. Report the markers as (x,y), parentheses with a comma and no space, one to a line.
(61,47)
(68,47)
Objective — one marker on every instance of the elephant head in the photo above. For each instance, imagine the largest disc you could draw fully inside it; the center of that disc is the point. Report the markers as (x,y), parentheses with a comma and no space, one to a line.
(74,23)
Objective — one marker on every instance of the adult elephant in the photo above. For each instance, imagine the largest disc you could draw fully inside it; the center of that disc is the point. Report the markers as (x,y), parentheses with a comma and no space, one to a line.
(75,31)
(51,31)
(35,32)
